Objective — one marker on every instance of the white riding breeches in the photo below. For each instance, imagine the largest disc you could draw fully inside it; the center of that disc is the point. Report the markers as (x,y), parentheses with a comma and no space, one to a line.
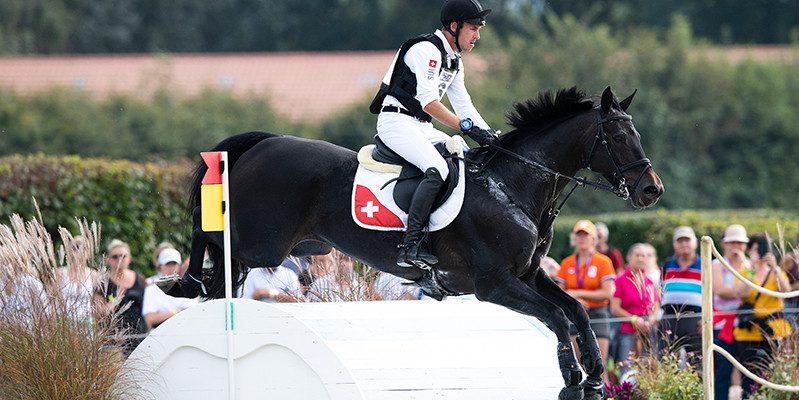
(413,140)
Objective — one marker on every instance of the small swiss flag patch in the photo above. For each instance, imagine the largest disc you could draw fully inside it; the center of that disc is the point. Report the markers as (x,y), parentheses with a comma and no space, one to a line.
(432,63)
(370,211)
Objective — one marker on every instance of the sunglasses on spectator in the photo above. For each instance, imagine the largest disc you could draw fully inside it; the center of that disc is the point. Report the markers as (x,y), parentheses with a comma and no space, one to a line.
(117,256)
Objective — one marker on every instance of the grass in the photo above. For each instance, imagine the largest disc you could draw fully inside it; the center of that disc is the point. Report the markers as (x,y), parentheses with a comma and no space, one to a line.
(53,347)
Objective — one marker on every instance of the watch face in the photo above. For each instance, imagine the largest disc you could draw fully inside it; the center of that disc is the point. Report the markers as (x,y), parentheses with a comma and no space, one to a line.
(466,124)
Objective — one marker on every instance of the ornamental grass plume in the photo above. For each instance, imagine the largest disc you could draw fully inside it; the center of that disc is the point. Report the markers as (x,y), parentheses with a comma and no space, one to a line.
(782,364)
(781,367)
(336,277)
(52,346)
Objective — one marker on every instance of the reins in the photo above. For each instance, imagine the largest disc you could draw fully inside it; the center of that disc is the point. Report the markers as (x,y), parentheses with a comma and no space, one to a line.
(622,189)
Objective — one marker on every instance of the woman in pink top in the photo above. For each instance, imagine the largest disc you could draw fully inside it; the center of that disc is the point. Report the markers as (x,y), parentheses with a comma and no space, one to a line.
(636,298)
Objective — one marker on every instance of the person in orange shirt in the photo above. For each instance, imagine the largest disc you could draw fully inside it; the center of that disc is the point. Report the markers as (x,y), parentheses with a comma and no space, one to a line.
(588,276)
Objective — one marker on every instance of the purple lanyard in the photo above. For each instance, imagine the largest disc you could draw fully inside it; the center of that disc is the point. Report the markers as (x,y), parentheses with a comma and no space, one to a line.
(577,270)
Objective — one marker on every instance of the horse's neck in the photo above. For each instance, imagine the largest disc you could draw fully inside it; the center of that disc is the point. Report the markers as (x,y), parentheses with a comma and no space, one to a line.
(562,149)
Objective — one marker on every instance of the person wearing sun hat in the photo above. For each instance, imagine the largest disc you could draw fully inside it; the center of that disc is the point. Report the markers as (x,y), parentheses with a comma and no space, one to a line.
(726,302)
(682,295)
(588,276)
(761,318)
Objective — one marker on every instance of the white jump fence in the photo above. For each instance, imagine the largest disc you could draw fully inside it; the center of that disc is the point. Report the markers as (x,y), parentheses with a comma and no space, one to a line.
(380,350)
(708,251)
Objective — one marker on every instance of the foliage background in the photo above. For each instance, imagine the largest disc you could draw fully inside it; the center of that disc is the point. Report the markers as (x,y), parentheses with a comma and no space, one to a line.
(141,204)
(722,135)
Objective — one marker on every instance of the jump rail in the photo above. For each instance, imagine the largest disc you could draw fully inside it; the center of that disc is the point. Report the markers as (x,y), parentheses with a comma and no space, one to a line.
(708,251)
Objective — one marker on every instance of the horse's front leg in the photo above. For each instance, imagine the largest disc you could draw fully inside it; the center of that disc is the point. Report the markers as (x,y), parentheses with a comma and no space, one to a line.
(503,288)
(590,355)
(191,285)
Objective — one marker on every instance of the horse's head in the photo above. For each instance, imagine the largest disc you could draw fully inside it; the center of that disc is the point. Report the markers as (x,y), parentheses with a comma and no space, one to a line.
(617,153)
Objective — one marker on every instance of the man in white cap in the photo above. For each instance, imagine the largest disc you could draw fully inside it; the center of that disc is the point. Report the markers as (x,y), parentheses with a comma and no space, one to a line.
(158,306)
(682,294)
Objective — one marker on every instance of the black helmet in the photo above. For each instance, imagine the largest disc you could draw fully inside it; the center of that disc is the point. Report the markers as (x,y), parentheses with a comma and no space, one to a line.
(463,11)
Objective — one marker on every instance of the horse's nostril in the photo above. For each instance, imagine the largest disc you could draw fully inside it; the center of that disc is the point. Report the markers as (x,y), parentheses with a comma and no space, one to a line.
(653,190)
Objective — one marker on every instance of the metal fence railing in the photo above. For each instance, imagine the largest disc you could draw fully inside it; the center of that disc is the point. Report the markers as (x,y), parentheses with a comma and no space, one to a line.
(708,251)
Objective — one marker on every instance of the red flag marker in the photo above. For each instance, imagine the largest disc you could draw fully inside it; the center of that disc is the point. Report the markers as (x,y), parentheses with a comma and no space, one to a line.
(213,160)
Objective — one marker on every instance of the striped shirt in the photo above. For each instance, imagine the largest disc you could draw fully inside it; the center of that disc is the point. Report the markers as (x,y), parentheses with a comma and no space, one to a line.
(682,287)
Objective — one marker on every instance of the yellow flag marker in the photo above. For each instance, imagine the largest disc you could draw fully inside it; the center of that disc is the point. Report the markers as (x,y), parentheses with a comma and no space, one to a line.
(212,216)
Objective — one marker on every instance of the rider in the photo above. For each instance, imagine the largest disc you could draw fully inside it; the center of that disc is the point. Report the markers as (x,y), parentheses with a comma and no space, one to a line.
(410,95)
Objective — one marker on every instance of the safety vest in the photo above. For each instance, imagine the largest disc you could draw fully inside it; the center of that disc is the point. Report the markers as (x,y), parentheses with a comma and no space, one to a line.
(403,81)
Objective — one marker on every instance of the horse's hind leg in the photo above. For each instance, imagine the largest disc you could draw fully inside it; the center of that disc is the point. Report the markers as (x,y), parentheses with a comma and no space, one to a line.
(505,289)
(589,349)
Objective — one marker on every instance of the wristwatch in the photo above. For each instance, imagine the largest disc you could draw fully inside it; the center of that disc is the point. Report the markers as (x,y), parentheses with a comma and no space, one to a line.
(466,125)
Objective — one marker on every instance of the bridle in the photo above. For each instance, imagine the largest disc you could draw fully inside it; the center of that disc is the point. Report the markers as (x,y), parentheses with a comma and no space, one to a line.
(620,187)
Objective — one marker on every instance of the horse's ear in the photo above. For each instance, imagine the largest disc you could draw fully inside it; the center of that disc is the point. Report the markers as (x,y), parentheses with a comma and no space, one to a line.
(607,100)
(626,102)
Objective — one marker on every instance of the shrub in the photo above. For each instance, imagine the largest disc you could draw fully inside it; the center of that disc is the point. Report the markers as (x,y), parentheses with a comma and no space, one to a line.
(141,204)
(667,379)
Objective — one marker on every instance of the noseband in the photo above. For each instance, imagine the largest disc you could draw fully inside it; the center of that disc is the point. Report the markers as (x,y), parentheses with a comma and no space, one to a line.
(620,186)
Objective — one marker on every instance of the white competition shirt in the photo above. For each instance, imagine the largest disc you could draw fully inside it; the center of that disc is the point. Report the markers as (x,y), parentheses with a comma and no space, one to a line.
(155,300)
(282,279)
(424,60)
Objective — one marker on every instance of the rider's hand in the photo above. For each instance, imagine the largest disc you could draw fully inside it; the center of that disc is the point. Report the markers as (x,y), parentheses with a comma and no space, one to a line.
(483,137)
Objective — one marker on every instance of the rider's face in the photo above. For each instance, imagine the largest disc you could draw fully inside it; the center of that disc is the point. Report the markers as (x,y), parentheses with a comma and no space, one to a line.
(468,36)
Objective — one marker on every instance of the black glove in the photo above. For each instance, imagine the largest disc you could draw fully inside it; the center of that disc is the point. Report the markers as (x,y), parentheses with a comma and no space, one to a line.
(483,137)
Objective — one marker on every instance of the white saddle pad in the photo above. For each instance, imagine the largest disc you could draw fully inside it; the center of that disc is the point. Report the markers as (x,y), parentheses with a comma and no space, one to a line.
(374,208)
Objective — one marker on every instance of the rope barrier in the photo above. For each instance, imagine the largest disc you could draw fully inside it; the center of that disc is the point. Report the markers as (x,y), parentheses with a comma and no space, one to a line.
(768,292)
(708,250)
(752,376)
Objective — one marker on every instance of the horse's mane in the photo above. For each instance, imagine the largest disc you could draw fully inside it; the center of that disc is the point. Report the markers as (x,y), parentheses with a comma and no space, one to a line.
(533,115)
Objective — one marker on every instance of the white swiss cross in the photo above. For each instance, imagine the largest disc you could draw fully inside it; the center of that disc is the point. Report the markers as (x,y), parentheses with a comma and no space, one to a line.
(370,209)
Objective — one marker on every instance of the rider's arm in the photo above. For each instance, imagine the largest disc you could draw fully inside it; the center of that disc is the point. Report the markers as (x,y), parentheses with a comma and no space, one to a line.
(424,60)
(462,102)
(440,112)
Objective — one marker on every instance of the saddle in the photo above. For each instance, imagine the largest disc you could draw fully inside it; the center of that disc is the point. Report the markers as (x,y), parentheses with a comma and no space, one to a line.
(380,158)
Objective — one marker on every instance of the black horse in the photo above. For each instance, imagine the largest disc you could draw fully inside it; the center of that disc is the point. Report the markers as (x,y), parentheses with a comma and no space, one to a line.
(292,196)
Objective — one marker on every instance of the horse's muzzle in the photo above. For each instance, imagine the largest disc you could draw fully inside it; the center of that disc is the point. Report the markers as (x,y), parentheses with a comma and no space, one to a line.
(648,190)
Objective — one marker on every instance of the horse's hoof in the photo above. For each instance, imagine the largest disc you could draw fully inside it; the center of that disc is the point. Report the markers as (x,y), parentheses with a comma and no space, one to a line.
(593,391)
(571,393)
(167,283)
(180,289)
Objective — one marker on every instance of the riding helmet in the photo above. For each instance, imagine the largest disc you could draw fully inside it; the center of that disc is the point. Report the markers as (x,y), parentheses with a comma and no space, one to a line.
(460,11)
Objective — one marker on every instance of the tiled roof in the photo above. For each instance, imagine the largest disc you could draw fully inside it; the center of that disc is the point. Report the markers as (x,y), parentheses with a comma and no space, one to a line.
(301,86)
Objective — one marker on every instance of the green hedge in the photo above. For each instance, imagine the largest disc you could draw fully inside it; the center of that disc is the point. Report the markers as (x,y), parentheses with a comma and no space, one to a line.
(657,227)
(142,204)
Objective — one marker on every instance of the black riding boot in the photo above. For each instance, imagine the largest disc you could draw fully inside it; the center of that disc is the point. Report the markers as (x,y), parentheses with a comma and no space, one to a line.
(415,247)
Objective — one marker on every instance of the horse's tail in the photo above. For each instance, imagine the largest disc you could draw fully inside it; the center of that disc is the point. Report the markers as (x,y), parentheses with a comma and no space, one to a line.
(235,146)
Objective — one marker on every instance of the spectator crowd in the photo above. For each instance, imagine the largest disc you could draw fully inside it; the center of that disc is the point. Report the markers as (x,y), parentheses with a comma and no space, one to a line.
(636,304)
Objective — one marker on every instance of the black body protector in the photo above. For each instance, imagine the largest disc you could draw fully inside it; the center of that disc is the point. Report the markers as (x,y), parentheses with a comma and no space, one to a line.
(403,81)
